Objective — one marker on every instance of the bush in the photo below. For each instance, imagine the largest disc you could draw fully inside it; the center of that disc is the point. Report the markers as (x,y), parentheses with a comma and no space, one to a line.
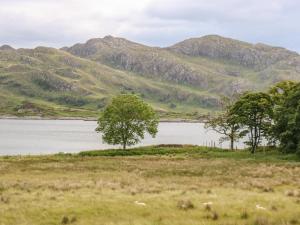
(172,106)
(102,103)
(185,205)
(71,100)
(152,150)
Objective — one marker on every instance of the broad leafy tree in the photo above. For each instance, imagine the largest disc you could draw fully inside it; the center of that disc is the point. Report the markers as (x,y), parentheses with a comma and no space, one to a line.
(126,120)
(279,94)
(286,128)
(253,111)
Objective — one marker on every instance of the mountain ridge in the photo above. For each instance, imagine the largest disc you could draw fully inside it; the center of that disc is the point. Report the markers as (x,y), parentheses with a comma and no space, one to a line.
(250,55)
(259,58)
(187,77)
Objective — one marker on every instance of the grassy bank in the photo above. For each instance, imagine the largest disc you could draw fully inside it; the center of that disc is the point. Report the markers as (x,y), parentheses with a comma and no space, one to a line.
(263,154)
(152,185)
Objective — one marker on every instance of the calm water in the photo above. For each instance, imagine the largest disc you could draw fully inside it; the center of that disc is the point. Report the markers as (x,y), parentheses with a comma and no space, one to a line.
(53,136)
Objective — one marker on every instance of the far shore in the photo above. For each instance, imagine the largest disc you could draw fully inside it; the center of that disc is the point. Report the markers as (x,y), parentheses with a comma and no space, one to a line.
(162,120)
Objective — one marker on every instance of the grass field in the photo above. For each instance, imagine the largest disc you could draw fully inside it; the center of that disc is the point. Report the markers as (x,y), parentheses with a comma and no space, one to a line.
(154,185)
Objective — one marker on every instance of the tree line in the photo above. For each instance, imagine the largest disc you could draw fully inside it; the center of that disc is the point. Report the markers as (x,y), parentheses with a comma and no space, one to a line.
(273,116)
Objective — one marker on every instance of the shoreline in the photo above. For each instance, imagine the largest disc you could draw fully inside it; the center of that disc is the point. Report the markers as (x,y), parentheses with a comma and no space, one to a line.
(162,120)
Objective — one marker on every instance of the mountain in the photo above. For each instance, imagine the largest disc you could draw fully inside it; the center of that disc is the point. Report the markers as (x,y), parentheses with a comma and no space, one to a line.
(188,77)
(199,62)
(154,63)
(258,56)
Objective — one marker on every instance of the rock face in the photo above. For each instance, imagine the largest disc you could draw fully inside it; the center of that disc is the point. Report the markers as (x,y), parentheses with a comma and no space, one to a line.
(212,63)
(215,47)
(147,61)
(48,75)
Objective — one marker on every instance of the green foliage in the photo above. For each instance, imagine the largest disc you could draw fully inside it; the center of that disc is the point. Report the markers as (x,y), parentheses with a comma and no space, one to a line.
(225,124)
(150,150)
(286,127)
(262,154)
(254,112)
(101,103)
(49,82)
(274,115)
(173,106)
(126,120)
(71,100)
(280,91)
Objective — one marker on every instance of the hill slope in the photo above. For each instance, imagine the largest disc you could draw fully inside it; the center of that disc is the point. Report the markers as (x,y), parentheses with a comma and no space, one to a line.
(51,82)
(212,63)
(188,77)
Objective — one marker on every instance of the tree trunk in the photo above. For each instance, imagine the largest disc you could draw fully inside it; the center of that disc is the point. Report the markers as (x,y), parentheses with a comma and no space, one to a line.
(253,148)
(231,143)
(124,145)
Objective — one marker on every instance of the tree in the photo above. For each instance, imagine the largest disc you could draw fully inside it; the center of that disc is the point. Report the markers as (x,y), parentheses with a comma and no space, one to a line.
(224,123)
(253,111)
(286,126)
(279,94)
(280,91)
(126,120)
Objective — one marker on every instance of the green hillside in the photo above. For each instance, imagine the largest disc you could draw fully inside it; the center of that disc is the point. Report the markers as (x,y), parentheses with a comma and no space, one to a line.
(184,80)
(51,82)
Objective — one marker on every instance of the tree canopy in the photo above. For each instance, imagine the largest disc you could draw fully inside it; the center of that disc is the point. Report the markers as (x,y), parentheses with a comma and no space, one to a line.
(286,128)
(224,123)
(253,111)
(126,120)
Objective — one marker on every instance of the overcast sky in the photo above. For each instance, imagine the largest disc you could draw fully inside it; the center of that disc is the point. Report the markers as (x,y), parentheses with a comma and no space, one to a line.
(30,23)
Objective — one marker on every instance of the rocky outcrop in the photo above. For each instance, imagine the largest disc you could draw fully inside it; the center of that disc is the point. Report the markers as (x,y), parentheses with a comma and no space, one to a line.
(155,66)
(212,63)
(147,61)
(257,56)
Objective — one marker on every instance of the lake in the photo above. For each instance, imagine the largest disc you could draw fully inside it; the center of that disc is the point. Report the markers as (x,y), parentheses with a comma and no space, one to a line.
(24,137)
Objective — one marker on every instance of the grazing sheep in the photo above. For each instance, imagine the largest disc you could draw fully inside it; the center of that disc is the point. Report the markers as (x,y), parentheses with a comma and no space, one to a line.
(207,203)
(260,207)
(140,203)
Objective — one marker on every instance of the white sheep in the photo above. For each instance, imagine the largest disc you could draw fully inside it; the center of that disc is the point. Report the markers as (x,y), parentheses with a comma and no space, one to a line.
(140,203)
(207,203)
(260,207)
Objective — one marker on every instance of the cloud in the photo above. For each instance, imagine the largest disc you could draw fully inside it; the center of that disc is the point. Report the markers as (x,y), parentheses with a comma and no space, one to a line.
(28,23)
(56,23)
(224,10)
(269,21)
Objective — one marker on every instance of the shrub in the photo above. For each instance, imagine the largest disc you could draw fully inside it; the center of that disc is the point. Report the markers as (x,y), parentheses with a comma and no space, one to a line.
(215,216)
(244,215)
(185,205)
(65,220)
(71,100)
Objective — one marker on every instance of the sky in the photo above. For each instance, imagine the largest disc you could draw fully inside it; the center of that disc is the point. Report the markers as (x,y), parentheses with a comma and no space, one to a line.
(31,23)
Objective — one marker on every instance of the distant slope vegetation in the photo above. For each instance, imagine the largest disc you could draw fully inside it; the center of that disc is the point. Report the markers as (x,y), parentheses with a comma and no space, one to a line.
(188,77)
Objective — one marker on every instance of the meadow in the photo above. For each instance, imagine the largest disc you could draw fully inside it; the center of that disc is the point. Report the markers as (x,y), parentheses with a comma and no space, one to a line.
(164,185)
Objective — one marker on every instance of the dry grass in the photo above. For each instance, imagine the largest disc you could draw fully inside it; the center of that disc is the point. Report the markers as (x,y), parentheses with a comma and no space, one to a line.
(174,189)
